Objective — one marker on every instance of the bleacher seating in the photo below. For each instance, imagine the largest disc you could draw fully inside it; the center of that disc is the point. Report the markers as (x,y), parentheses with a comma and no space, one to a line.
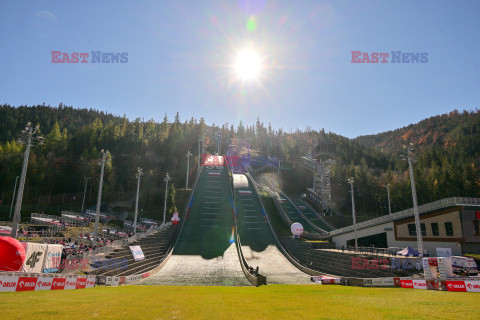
(154,248)
(335,263)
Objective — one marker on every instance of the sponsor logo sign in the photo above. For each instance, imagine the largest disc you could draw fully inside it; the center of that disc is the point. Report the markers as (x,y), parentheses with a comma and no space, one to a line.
(58,284)
(472,286)
(8,283)
(379,282)
(26,284)
(44,283)
(407,284)
(145,275)
(454,285)
(90,282)
(81,283)
(419,284)
(70,283)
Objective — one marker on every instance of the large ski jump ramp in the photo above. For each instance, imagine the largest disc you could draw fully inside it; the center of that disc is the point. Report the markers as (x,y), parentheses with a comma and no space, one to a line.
(205,253)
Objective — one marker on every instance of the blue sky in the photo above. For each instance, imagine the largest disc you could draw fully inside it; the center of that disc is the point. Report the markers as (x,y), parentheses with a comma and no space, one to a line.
(180,56)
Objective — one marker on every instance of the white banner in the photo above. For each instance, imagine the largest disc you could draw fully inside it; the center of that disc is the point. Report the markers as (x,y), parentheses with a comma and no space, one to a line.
(90,282)
(379,282)
(419,284)
(112,281)
(35,255)
(8,283)
(53,257)
(472,286)
(44,283)
(137,253)
(70,283)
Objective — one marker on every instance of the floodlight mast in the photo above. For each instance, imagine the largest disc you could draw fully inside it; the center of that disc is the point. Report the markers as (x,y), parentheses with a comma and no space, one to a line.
(188,168)
(411,158)
(354,215)
(101,162)
(139,174)
(167,178)
(388,196)
(27,136)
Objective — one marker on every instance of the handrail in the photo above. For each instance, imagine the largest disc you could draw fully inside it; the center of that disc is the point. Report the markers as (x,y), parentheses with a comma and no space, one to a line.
(317,214)
(301,213)
(283,215)
(257,279)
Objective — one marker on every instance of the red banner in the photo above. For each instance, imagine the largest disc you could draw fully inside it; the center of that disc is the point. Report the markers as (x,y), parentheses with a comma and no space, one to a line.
(26,283)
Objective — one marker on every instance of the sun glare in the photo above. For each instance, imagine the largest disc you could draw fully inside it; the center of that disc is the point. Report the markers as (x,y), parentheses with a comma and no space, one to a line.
(248,65)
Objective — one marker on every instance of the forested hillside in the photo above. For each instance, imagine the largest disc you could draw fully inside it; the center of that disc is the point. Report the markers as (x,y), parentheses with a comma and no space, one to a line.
(448,148)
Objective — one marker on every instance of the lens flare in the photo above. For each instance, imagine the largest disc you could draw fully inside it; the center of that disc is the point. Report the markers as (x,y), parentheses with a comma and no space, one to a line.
(248,65)
(232,237)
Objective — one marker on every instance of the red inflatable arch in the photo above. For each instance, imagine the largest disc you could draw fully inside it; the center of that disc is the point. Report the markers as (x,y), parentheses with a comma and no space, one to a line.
(12,254)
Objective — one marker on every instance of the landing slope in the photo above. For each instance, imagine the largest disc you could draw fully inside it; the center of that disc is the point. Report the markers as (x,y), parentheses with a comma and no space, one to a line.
(204,254)
(258,243)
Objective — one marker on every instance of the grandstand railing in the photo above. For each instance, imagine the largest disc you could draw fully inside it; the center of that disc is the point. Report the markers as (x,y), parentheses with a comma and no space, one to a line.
(436,205)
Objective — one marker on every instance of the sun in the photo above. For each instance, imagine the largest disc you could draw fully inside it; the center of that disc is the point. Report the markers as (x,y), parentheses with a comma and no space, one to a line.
(248,65)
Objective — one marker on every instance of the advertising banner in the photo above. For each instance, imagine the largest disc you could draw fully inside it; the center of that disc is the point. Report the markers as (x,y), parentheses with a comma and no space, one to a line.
(90,282)
(81,283)
(44,283)
(379,282)
(419,284)
(137,253)
(70,283)
(472,286)
(35,255)
(406,283)
(58,283)
(26,283)
(8,283)
(112,281)
(456,285)
(53,257)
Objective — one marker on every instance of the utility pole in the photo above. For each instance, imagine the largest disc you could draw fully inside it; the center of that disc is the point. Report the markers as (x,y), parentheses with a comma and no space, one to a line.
(139,174)
(188,168)
(353,213)
(27,136)
(13,197)
(84,192)
(388,195)
(411,158)
(101,162)
(167,178)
